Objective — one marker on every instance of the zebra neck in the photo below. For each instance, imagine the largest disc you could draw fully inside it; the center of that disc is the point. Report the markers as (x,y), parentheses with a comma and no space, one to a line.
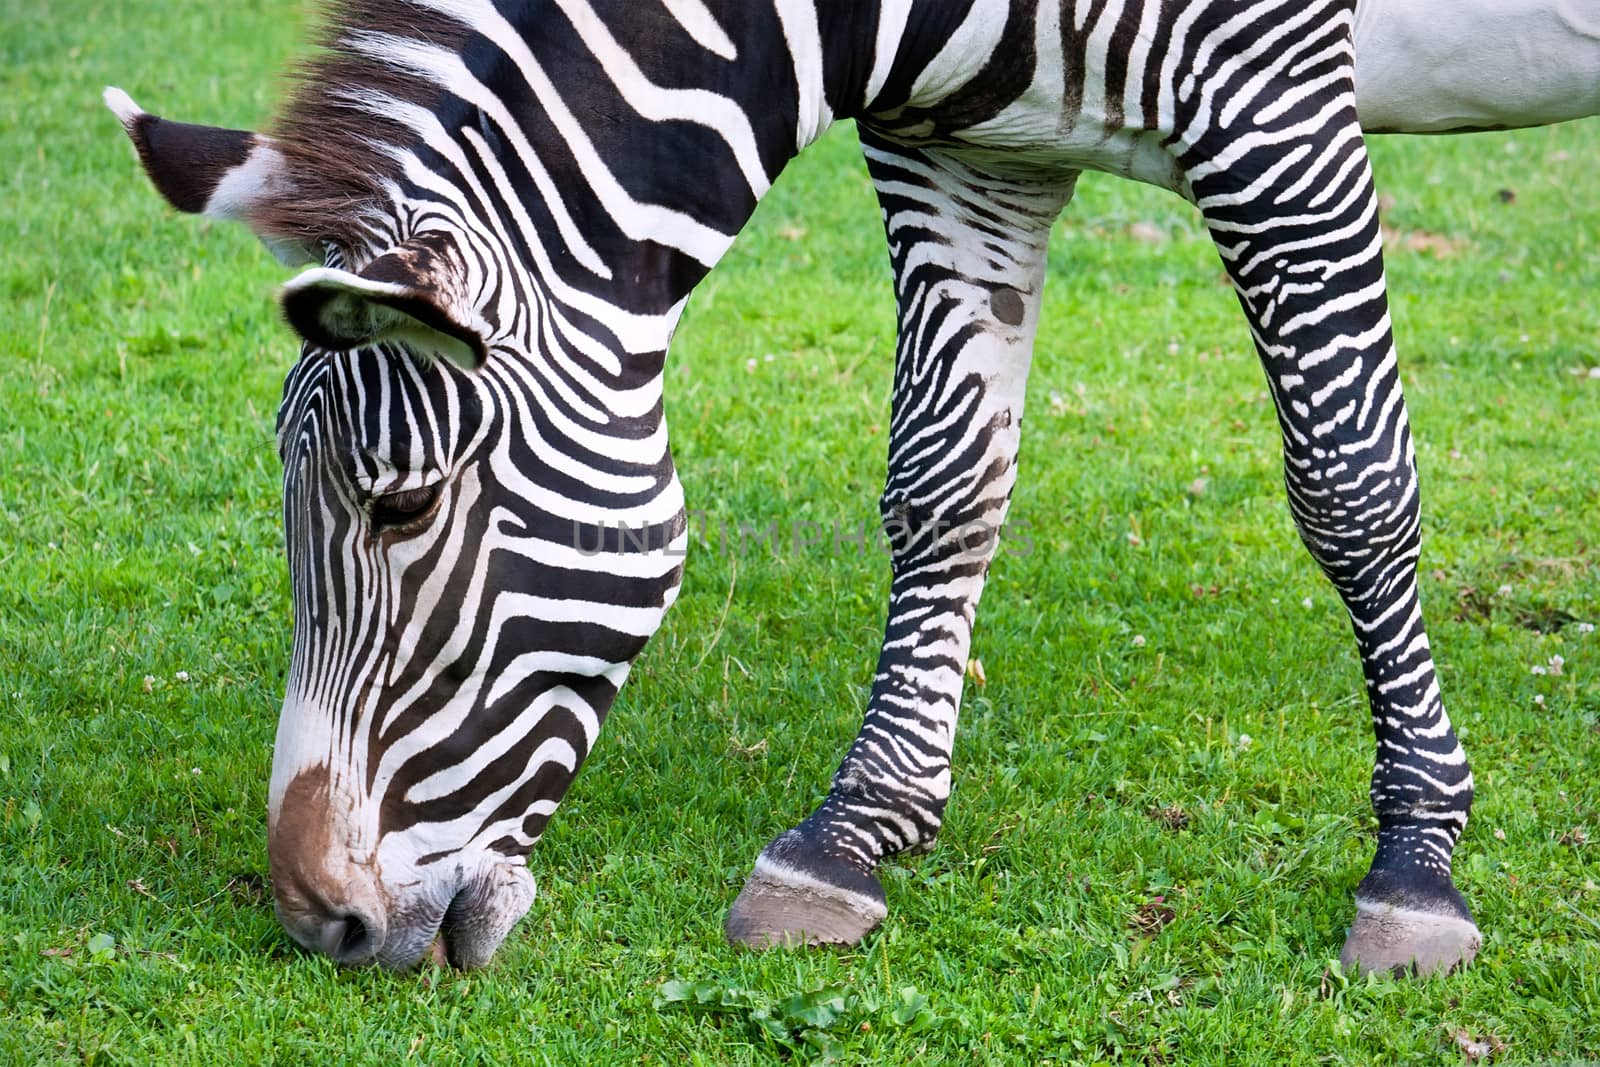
(592,158)
(618,147)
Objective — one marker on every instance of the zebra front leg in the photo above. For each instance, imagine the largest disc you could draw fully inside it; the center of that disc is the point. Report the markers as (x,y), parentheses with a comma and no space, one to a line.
(1288,198)
(968,254)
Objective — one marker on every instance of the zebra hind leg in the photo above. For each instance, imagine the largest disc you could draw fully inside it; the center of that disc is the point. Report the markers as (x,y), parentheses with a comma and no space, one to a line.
(968,255)
(1290,205)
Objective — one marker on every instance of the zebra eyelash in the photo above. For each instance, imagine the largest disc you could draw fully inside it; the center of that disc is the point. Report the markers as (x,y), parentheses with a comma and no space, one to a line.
(404,511)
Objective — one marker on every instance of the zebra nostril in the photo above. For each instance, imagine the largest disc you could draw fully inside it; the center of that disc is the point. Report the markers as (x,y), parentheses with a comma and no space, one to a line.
(348,939)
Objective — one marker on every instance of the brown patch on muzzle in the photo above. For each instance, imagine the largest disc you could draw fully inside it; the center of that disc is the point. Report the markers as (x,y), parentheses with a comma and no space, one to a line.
(328,900)
(299,837)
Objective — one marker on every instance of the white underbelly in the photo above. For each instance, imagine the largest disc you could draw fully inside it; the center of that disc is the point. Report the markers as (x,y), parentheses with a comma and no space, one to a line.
(1425,66)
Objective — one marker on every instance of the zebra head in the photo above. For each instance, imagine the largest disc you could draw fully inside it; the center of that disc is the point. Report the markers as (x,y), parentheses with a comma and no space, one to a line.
(483,527)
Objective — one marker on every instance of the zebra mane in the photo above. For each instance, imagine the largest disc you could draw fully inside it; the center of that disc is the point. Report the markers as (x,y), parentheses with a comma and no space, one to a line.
(339,156)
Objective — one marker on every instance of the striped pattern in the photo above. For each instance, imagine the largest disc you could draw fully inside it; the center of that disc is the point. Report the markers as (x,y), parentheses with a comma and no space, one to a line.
(1276,163)
(483,521)
(1258,127)
(968,253)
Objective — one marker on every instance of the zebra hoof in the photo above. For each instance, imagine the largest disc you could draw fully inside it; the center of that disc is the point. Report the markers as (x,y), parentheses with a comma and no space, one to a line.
(1391,940)
(785,909)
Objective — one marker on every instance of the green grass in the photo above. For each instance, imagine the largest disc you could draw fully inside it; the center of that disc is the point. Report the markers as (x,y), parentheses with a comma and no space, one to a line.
(140,361)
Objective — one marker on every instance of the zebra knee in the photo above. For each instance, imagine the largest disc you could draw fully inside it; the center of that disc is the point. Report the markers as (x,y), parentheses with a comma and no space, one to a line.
(919,533)
(1361,524)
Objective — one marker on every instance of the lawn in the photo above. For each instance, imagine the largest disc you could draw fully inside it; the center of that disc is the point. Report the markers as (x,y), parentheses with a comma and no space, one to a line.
(1160,796)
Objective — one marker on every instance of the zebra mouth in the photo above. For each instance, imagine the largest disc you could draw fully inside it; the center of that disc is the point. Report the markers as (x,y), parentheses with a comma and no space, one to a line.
(431,937)
(480,916)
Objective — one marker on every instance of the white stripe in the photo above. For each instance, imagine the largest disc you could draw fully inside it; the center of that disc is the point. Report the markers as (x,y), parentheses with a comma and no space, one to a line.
(799,19)
(892,17)
(703,27)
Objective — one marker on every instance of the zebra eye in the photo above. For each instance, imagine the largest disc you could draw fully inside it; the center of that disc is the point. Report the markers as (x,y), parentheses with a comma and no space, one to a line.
(404,507)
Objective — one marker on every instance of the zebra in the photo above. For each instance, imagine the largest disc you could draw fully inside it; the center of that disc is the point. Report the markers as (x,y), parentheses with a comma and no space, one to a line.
(502,207)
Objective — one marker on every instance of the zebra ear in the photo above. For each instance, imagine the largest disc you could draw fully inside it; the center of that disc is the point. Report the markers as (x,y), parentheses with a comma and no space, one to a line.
(207,170)
(407,296)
